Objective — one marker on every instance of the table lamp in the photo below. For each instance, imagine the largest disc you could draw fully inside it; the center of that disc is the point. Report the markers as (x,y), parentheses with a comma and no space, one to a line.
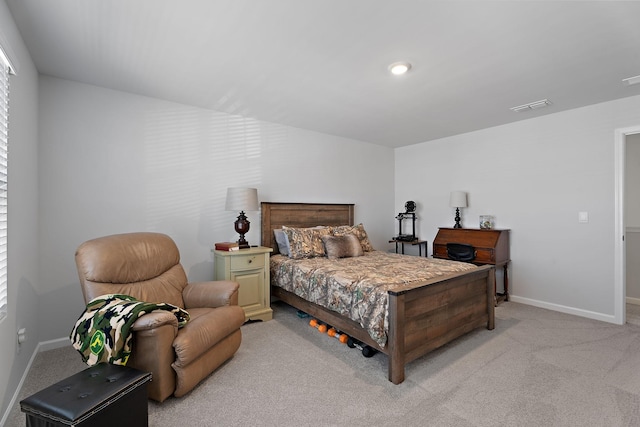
(458,199)
(242,199)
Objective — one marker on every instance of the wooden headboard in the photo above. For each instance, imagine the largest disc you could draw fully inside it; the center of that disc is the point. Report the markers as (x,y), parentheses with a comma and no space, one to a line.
(275,215)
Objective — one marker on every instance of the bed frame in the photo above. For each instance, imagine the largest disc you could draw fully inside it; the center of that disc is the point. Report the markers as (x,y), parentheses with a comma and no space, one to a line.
(421,319)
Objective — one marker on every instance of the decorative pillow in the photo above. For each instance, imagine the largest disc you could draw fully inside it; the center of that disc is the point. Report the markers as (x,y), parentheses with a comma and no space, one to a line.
(305,242)
(342,246)
(282,241)
(358,230)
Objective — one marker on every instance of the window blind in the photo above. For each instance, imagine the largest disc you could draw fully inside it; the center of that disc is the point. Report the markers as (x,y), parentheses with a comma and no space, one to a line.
(4,136)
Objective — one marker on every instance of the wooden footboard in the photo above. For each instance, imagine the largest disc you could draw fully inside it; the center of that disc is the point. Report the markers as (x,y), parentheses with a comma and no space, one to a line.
(433,314)
(422,318)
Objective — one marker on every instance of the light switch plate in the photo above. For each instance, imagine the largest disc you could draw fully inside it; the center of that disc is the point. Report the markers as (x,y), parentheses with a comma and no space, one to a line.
(583,217)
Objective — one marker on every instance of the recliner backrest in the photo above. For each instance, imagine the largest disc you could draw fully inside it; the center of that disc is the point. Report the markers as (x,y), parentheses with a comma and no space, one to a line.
(144,265)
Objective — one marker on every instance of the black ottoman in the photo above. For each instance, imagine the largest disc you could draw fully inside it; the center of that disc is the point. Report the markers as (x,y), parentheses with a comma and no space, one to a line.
(103,395)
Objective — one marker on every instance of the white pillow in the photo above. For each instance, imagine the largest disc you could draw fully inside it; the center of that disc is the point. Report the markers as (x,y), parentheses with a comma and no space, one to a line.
(282,240)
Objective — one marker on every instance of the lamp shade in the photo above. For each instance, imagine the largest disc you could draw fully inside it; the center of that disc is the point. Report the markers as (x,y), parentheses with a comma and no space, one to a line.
(241,199)
(458,199)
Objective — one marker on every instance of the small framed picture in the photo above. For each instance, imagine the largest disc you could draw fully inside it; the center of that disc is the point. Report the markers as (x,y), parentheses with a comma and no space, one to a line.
(486,222)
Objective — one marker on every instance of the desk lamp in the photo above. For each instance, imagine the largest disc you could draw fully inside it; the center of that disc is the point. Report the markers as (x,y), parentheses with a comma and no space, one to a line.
(458,199)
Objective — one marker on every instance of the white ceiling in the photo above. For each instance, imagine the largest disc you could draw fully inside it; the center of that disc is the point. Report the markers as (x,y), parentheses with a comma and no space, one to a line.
(322,64)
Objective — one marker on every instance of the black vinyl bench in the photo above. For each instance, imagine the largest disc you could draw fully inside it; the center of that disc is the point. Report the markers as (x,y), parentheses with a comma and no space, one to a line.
(100,396)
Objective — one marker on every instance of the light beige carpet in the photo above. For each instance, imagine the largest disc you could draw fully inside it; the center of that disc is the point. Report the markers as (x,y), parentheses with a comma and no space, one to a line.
(633,314)
(537,368)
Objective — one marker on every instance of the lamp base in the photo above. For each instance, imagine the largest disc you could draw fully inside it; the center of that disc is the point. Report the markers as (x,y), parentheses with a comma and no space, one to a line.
(457,218)
(242,227)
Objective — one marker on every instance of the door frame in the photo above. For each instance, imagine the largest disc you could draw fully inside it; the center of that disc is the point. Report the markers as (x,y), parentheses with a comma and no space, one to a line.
(619,256)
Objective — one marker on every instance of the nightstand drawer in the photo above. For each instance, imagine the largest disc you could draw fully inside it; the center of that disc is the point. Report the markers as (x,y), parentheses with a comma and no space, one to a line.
(245,262)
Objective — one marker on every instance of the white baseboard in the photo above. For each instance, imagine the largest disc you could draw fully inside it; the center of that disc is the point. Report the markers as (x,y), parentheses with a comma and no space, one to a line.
(634,301)
(564,309)
(53,344)
(42,346)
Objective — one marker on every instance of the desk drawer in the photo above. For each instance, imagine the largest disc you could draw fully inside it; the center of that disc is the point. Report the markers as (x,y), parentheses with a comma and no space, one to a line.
(245,262)
(440,251)
(485,255)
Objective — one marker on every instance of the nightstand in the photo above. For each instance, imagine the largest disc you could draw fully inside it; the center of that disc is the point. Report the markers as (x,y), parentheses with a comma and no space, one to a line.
(250,268)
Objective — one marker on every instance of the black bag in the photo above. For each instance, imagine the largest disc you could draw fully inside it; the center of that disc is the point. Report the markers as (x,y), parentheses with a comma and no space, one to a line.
(460,252)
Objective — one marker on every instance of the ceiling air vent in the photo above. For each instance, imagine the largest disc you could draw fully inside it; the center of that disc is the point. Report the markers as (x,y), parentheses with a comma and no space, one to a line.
(631,80)
(531,106)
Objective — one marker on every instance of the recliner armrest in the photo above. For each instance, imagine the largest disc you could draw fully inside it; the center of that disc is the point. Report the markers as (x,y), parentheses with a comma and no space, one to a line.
(154,320)
(210,294)
(153,351)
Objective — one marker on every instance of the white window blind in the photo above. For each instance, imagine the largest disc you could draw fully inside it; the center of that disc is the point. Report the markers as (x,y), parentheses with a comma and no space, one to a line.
(4,135)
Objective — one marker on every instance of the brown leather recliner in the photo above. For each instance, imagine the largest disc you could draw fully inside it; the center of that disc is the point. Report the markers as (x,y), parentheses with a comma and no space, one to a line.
(147,267)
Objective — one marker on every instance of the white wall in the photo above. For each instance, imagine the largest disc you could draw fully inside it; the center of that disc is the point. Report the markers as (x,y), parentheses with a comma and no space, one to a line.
(113,162)
(23,212)
(534,176)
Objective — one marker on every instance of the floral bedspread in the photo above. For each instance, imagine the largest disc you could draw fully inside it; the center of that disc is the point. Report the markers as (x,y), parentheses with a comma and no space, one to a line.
(357,287)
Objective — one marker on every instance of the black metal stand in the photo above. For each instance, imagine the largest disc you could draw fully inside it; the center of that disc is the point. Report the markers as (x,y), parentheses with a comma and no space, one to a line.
(417,242)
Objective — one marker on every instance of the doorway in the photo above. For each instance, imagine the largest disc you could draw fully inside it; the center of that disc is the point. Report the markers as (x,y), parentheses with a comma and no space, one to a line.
(632,228)
(623,138)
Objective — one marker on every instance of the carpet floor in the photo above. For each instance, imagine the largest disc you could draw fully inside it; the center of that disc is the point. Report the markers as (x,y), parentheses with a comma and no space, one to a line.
(537,368)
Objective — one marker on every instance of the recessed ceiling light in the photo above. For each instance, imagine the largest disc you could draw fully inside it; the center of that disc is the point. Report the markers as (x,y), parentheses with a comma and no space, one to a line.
(631,80)
(531,106)
(399,68)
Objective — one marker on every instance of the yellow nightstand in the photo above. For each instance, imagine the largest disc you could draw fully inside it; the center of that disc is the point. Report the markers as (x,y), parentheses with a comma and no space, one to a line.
(250,268)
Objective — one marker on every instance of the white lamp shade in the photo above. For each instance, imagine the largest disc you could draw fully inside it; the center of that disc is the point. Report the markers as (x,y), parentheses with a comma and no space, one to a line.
(458,199)
(242,199)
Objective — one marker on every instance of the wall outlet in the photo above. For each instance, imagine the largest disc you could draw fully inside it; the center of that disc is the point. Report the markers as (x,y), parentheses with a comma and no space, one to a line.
(22,336)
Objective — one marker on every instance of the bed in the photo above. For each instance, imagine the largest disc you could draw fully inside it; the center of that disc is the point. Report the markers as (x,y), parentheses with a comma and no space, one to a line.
(420,315)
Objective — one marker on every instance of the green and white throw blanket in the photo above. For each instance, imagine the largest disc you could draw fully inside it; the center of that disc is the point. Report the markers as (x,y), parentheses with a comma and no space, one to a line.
(103,331)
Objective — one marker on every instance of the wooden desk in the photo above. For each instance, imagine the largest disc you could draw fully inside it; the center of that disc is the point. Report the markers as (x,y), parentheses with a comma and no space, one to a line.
(413,243)
(491,247)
